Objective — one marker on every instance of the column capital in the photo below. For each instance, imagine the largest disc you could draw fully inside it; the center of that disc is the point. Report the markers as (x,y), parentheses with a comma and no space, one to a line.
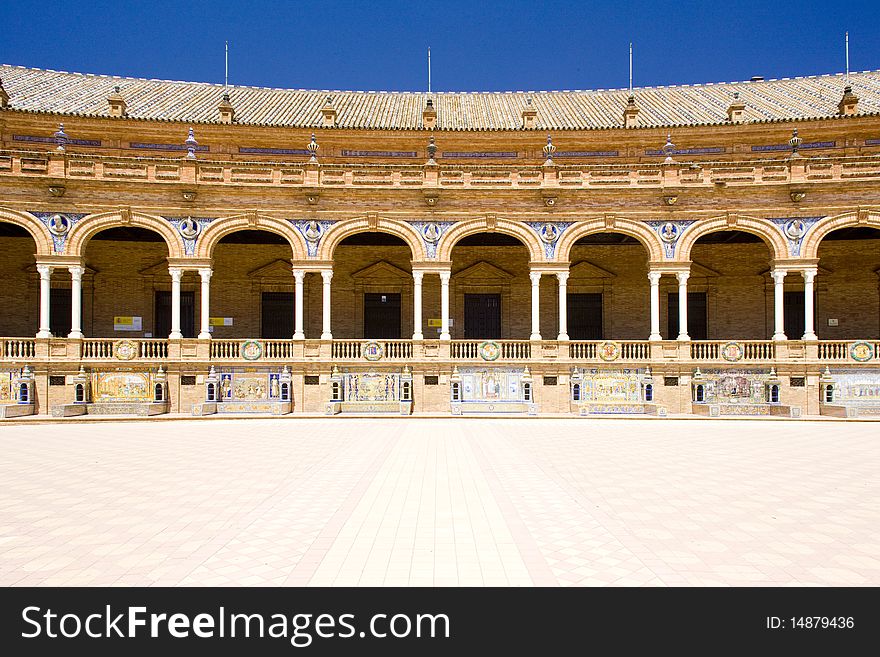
(654,277)
(778,275)
(76,271)
(45,271)
(417,276)
(445,276)
(562,277)
(809,274)
(682,276)
(327,275)
(176,273)
(536,277)
(206,273)
(299,275)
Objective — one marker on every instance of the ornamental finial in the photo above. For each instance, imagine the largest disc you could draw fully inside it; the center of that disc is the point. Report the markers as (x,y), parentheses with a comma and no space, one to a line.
(668,148)
(795,143)
(61,138)
(549,149)
(191,144)
(312,148)
(432,150)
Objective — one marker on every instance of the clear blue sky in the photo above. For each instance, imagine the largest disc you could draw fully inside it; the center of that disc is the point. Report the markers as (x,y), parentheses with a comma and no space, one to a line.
(474,45)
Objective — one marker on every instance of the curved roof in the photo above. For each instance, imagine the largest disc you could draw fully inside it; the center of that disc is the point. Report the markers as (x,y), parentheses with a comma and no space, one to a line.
(39,90)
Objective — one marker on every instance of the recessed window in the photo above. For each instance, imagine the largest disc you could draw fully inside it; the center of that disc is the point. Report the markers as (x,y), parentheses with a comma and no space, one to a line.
(670,381)
(432,380)
(551,380)
(312,379)
(56,380)
(797,382)
(187,379)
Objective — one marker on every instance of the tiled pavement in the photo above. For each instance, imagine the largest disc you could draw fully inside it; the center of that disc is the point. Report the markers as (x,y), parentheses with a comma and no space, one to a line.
(411,501)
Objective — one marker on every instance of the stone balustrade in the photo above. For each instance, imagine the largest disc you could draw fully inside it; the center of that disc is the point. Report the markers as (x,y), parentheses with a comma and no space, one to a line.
(698,352)
(90,166)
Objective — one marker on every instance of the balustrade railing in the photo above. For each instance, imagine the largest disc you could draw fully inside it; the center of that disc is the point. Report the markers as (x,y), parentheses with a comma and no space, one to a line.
(103,349)
(96,349)
(18,348)
(608,350)
(226,349)
(507,350)
(389,350)
(731,351)
(92,166)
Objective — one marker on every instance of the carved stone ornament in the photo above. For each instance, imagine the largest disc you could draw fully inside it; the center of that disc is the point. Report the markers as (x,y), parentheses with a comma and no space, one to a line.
(670,200)
(797,196)
(57,190)
(188,195)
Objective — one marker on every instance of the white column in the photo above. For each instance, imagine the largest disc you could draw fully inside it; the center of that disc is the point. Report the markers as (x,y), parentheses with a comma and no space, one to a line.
(45,272)
(536,305)
(778,304)
(176,275)
(444,304)
(417,305)
(562,277)
(682,305)
(205,332)
(809,321)
(654,279)
(76,277)
(299,276)
(326,333)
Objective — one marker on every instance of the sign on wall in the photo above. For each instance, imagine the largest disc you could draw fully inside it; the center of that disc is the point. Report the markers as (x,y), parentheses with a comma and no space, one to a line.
(128,323)
(221,321)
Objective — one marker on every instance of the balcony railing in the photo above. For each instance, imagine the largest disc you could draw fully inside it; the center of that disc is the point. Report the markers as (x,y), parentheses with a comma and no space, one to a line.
(640,175)
(627,352)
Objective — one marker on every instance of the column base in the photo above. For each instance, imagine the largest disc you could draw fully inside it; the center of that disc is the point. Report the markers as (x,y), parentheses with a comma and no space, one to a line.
(535,336)
(810,337)
(175,335)
(445,336)
(299,336)
(655,337)
(44,334)
(418,336)
(326,336)
(684,337)
(563,337)
(204,336)
(75,335)
(779,337)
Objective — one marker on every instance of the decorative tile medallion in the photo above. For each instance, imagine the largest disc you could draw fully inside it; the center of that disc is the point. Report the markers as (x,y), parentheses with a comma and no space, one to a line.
(373,351)
(608,351)
(669,233)
(794,229)
(189,229)
(312,231)
(549,233)
(489,350)
(861,351)
(251,350)
(431,231)
(125,350)
(59,225)
(732,351)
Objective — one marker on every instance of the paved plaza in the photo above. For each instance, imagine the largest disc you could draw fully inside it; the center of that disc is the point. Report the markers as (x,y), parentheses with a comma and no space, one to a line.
(436,502)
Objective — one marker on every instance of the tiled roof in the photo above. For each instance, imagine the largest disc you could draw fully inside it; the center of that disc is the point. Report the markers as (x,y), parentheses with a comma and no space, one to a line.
(38,90)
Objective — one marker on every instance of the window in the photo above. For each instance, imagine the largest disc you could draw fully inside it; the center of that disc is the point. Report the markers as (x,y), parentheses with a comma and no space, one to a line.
(432,380)
(797,381)
(670,381)
(550,380)
(576,392)
(311,380)
(56,380)
(187,380)
(649,392)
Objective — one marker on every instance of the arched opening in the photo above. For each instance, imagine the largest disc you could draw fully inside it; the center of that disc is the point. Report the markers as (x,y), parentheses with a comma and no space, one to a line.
(608,291)
(730,292)
(372,291)
(490,290)
(848,284)
(127,286)
(20,292)
(252,286)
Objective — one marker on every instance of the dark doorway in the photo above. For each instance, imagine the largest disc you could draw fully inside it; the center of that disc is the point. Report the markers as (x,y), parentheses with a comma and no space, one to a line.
(60,305)
(482,315)
(163,314)
(698,323)
(584,314)
(277,315)
(381,315)
(793,307)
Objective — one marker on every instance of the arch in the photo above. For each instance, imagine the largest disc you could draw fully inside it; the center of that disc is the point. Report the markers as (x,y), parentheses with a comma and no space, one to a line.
(814,237)
(343,229)
(767,231)
(473,226)
(635,229)
(220,228)
(32,225)
(92,224)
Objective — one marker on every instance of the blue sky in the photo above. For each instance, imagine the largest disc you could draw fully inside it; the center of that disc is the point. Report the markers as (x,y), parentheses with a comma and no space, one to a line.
(474,45)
